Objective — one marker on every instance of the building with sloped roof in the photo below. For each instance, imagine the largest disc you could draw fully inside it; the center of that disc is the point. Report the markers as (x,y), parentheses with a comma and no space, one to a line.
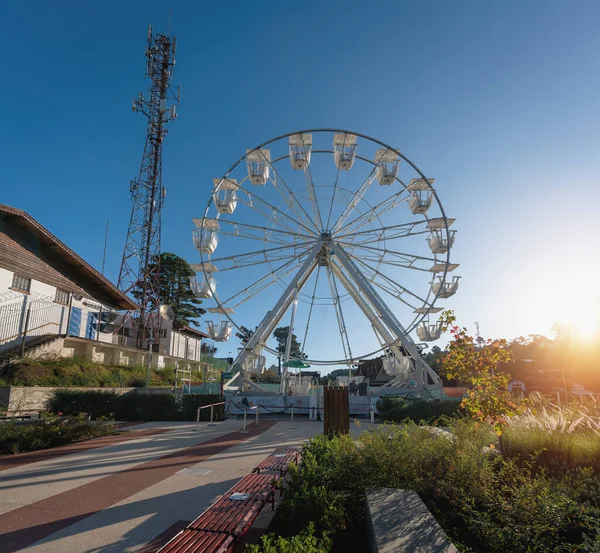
(53,301)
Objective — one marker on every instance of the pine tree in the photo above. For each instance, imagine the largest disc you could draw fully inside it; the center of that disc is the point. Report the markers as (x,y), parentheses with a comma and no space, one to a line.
(175,289)
(281,334)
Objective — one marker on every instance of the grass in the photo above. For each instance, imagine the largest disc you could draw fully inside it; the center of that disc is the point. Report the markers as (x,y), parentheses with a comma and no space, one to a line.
(80,371)
(51,431)
(557,437)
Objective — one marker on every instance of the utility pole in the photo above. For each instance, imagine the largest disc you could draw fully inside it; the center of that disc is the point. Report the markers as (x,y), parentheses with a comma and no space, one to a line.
(139,274)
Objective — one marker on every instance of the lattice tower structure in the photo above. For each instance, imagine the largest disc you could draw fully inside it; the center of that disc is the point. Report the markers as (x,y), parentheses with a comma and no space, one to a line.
(140,268)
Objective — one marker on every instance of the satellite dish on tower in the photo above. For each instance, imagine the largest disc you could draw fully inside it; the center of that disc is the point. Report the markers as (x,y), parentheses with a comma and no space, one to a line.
(166,312)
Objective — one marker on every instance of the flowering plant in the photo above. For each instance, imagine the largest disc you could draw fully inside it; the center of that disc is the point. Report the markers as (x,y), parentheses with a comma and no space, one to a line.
(476,364)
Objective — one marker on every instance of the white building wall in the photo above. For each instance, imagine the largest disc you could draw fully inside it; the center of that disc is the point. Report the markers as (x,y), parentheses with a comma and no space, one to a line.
(45,315)
(49,317)
(5,280)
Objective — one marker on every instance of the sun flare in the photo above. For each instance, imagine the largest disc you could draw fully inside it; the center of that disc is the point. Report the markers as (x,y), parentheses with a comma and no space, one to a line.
(582,321)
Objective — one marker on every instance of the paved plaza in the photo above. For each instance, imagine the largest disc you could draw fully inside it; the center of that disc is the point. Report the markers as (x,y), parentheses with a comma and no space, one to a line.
(130,492)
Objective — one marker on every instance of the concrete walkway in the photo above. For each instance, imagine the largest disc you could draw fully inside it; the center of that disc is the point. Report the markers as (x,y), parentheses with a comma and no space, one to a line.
(121,495)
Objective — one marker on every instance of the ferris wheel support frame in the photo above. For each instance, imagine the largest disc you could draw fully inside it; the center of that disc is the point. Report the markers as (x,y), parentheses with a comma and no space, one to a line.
(367,299)
(272,318)
(394,329)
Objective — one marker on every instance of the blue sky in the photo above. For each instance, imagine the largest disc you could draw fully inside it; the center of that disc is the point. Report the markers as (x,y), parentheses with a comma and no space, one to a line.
(496,100)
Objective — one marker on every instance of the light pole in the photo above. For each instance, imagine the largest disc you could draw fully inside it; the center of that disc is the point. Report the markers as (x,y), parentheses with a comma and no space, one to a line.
(150,342)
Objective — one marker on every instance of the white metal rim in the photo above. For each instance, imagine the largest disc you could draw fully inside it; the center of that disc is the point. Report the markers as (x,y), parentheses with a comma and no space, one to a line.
(422,314)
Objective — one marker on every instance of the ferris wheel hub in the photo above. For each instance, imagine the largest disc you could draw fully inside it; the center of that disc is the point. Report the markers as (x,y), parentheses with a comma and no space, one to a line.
(323,257)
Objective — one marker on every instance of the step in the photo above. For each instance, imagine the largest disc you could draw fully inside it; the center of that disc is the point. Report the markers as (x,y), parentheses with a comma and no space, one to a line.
(399,522)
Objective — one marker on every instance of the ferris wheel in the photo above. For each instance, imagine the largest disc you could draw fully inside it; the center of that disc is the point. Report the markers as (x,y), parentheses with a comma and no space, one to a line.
(336,235)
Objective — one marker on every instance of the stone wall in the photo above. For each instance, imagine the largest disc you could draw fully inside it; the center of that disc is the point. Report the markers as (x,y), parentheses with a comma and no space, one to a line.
(24,398)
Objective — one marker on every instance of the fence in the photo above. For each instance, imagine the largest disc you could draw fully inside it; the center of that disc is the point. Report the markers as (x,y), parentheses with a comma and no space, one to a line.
(206,388)
(21,320)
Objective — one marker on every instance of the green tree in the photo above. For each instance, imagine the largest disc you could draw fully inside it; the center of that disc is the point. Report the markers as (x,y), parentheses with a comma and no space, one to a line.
(341,372)
(175,289)
(488,399)
(281,334)
(434,358)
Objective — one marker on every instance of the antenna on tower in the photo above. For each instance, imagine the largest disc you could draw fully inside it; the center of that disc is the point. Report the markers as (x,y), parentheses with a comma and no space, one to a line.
(105,244)
(139,274)
(478,339)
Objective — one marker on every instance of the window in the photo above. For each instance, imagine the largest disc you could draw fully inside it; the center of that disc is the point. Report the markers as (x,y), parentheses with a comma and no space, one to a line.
(163,332)
(62,296)
(21,283)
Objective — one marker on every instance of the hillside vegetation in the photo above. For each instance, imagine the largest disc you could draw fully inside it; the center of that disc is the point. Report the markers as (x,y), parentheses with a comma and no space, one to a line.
(80,371)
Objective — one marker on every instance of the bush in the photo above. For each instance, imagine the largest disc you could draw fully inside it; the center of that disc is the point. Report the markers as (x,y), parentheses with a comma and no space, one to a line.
(141,407)
(416,410)
(49,432)
(305,542)
(520,509)
(138,407)
(94,403)
(191,402)
(483,501)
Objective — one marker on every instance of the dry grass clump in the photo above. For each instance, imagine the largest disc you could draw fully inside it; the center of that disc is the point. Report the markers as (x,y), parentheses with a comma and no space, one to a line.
(558,436)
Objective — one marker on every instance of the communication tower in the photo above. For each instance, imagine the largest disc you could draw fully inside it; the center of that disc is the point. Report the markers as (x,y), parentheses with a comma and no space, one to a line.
(139,274)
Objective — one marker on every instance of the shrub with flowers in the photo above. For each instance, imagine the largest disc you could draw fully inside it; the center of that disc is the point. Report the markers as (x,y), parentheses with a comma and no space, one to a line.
(488,399)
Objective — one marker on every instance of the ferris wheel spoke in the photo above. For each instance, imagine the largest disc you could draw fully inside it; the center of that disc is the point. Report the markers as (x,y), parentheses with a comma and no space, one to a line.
(339,315)
(388,232)
(382,252)
(251,196)
(312,303)
(392,235)
(289,197)
(243,264)
(310,186)
(393,288)
(409,264)
(272,215)
(335,189)
(263,283)
(258,237)
(394,294)
(255,253)
(374,213)
(240,230)
(358,196)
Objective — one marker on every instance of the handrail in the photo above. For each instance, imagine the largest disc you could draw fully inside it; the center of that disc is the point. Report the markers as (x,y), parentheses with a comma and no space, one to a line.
(28,332)
(200,407)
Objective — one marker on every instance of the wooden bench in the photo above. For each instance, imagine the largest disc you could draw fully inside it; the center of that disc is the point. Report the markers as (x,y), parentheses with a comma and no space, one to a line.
(218,528)
(235,512)
(279,461)
(7,416)
(188,541)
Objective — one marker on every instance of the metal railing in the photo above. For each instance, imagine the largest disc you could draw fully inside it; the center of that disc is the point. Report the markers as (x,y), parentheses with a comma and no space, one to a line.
(25,318)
